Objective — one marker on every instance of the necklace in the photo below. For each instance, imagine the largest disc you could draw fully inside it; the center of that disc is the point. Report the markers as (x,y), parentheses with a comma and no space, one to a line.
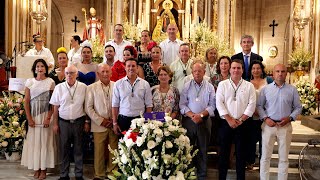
(184,67)
(235,89)
(69,90)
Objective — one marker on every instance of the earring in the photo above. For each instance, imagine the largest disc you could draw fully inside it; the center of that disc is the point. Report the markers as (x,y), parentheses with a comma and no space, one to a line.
(36,71)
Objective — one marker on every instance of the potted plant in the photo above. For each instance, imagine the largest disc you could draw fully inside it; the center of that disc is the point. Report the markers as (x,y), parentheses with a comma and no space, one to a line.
(307,92)
(300,58)
(12,125)
(153,149)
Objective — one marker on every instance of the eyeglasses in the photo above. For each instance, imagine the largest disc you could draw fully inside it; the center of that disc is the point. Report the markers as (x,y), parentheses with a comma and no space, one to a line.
(39,41)
(70,73)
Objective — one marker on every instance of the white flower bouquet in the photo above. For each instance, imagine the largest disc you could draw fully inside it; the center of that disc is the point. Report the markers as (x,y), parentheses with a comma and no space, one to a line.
(307,92)
(154,150)
(12,123)
(300,57)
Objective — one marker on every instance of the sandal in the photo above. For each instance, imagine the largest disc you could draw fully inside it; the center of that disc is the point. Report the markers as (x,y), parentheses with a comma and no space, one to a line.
(43,174)
(36,174)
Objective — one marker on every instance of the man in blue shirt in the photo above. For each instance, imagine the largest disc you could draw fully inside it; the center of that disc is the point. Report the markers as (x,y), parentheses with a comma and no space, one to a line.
(197,103)
(278,105)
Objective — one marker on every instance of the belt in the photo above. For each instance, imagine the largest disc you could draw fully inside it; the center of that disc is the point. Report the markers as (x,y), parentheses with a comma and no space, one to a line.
(72,121)
(123,116)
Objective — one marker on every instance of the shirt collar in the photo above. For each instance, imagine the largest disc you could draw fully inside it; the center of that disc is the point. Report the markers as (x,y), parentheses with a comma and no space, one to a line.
(274,83)
(195,83)
(169,41)
(246,54)
(36,49)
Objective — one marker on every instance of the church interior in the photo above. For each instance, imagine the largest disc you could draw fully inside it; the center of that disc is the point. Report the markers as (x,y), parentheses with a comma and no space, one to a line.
(279,28)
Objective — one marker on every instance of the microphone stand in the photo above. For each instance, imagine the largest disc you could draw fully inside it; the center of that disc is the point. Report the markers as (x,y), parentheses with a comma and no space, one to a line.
(13,69)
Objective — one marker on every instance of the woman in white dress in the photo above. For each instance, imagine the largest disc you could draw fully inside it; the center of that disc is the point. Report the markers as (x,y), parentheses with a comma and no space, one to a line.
(39,146)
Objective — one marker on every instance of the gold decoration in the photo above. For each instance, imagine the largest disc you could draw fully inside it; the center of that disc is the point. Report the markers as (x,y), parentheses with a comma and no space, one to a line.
(131,31)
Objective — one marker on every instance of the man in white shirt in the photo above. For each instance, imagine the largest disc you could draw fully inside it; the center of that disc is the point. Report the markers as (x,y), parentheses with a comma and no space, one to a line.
(98,108)
(69,121)
(74,55)
(236,102)
(181,67)
(170,47)
(40,50)
(118,42)
(131,97)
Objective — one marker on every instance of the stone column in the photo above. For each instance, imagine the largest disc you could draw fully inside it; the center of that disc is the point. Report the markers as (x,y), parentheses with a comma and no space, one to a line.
(148,5)
(140,12)
(119,11)
(187,19)
(134,12)
(195,11)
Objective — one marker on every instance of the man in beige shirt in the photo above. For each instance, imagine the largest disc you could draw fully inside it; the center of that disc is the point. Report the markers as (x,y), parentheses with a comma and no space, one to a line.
(98,108)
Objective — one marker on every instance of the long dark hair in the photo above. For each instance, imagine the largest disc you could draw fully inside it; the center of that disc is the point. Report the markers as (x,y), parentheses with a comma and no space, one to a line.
(264,74)
(33,69)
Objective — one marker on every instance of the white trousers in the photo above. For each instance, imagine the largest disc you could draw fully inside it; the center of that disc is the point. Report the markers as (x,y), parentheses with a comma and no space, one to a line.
(283,136)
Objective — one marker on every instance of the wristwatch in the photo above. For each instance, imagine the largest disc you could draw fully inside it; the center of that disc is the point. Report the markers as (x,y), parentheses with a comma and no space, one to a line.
(201,115)
(291,118)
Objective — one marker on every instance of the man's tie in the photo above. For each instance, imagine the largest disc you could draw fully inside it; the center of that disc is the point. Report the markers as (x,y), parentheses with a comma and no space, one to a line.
(246,65)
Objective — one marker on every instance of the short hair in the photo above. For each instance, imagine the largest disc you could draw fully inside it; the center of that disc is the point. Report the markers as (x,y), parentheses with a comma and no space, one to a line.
(108,45)
(218,63)
(238,61)
(246,36)
(114,27)
(167,70)
(199,61)
(33,69)
(77,38)
(264,74)
(147,31)
(131,59)
(184,44)
(207,52)
(36,38)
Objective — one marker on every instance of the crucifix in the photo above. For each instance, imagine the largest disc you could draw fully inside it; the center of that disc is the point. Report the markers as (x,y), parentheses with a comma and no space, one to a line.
(273,26)
(75,20)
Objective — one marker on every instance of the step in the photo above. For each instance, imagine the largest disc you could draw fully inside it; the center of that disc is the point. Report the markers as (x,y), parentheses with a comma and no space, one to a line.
(254,175)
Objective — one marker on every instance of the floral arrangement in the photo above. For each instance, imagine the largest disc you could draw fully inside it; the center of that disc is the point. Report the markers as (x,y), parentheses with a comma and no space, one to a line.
(300,57)
(131,32)
(12,123)
(154,150)
(202,37)
(97,50)
(307,92)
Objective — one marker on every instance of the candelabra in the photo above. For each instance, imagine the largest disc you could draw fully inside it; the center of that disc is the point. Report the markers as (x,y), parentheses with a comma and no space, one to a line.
(38,12)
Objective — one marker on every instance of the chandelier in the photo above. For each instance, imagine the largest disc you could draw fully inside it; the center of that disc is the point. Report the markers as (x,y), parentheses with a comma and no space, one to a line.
(38,12)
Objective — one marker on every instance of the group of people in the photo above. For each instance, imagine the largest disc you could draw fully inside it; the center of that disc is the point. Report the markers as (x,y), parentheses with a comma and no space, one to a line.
(233,95)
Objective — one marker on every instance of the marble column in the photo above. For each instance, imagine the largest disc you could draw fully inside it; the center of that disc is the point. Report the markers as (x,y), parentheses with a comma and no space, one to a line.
(187,19)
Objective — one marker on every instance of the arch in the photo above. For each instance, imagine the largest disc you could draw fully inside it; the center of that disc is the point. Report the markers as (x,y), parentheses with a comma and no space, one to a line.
(57,29)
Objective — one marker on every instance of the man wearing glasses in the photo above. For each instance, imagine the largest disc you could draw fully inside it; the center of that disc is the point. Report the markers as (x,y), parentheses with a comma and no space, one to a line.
(69,121)
(40,50)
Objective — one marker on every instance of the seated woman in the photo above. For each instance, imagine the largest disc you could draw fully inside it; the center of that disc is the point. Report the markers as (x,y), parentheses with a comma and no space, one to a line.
(165,97)
(151,68)
(87,69)
(58,74)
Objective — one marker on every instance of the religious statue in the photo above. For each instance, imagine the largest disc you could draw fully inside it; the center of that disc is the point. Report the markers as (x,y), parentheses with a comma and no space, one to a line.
(93,27)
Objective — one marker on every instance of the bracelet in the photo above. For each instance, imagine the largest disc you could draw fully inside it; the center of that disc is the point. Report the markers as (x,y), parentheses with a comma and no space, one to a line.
(87,121)
(115,123)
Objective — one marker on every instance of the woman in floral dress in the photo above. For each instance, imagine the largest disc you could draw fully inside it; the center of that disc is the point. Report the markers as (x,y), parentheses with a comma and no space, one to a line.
(39,150)
(165,97)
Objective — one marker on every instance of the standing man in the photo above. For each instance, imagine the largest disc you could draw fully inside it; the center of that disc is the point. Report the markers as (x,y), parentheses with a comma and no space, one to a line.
(69,120)
(98,108)
(246,56)
(118,42)
(170,46)
(278,105)
(236,102)
(197,103)
(181,67)
(131,97)
(109,53)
